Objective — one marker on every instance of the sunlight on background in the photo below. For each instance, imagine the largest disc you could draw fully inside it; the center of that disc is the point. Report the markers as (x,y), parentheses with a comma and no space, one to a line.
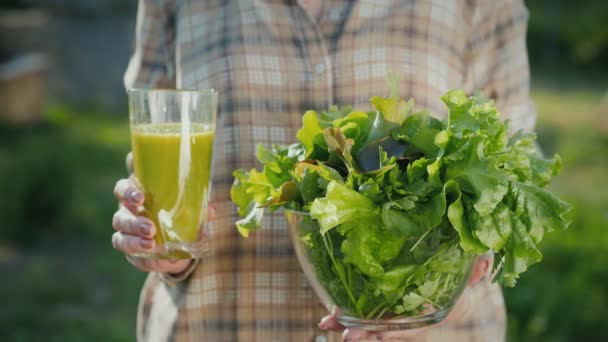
(64,135)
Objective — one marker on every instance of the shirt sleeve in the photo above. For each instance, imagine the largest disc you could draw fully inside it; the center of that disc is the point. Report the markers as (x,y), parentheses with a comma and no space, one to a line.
(498,59)
(152,64)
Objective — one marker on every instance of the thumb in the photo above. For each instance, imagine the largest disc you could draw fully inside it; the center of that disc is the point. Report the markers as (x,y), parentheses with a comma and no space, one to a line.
(481,268)
(330,322)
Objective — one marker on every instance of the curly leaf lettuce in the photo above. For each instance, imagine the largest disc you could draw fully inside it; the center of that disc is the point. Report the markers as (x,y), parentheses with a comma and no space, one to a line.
(341,205)
(501,203)
(399,203)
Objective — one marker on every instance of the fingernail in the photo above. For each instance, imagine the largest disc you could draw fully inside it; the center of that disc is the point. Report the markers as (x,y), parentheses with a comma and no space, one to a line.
(146,228)
(136,196)
(146,243)
(322,325)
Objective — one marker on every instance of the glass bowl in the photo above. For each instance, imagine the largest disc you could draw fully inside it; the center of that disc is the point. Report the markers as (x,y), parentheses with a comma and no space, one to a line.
(416,288)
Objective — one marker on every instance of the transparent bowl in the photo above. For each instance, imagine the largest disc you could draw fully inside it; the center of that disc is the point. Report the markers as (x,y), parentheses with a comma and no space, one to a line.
(328,272)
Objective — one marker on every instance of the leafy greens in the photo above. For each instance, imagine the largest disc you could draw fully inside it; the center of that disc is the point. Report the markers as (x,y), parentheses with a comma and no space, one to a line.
(397,204)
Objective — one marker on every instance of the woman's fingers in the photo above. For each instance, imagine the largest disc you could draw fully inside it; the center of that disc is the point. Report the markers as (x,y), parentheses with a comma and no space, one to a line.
(481,268)
(329,322)
(124,221)
(131,244)
(128,194)
(135,234)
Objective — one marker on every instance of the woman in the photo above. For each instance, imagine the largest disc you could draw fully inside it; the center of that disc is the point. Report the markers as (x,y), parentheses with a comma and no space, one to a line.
(271,60)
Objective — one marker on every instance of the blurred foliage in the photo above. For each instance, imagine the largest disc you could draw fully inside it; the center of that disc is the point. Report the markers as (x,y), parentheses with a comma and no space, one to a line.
(569,32)
(14,4)
(565,297)
(62,281)
(34,179)
(48,167)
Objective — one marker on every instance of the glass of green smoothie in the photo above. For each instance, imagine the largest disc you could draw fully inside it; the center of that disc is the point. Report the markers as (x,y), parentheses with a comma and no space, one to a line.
(172,142)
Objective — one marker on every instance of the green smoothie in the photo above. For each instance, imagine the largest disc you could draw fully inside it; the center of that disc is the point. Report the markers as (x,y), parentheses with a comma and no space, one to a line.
(174,176)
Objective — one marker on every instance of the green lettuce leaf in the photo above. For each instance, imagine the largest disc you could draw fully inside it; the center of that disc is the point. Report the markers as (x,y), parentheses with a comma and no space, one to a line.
(457,216)
(341,204)
(492,230)
(308,185)
(479,177)
(340,145)
(356,125)
(394,278)
(278,162)
(369,247)
(252,221)
(542,170)
(540,210)
(334,112)
(412,217)
(311,135)
(393,109)
(419,130)
(250,187)
(520,252)
(411,301)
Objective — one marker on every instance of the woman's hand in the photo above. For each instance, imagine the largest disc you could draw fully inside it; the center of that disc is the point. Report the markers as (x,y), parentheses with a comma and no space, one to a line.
(481,269)
(135,234)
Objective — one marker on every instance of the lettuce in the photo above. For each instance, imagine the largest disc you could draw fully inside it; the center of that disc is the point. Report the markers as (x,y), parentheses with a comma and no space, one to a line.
(341,205)
(400,202)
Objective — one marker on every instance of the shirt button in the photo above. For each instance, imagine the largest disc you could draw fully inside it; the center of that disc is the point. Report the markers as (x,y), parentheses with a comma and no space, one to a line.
(320,339)
(320,68)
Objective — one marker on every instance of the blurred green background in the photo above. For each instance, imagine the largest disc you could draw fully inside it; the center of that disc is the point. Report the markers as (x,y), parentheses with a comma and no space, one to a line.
(62,281)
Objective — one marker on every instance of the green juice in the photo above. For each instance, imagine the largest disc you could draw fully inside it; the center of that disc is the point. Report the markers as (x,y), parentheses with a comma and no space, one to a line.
(174,176)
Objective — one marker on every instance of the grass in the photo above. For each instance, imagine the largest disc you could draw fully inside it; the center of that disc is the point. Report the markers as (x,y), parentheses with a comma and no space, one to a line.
(62,281)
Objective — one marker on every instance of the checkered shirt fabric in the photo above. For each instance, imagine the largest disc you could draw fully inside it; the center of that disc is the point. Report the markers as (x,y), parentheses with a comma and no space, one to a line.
(271,61)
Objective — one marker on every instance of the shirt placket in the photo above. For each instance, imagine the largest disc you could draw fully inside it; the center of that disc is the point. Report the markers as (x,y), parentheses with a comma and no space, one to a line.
(320,65)
(321,80)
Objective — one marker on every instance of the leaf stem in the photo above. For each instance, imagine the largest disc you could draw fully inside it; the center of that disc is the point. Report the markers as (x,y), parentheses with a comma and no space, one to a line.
(371,313)
(330,251)
(382,312)
(437,306)
(421,238)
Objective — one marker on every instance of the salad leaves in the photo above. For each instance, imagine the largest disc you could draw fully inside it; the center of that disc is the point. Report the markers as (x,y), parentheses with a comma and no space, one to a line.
(341,205)
(397,204)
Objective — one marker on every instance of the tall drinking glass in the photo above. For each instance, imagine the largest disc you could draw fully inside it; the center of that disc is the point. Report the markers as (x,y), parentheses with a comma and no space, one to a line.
(172,142)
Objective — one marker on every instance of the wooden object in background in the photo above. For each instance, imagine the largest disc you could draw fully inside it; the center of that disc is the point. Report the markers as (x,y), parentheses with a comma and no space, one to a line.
(22,88)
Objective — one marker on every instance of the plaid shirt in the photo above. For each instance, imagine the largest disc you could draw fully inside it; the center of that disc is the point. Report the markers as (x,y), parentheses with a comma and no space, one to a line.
(271,61)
